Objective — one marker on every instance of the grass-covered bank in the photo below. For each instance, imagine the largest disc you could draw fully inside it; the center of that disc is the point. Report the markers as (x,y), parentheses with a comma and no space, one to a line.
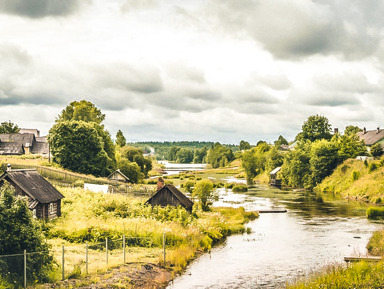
(92,217)
(357,180)
(359,275)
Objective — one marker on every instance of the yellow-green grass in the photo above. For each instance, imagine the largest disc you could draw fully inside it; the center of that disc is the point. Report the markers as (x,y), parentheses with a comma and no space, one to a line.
(355,180)
(93,217)
(359,275)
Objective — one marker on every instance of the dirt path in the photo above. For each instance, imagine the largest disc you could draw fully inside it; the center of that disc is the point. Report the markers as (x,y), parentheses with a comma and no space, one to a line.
(132,275)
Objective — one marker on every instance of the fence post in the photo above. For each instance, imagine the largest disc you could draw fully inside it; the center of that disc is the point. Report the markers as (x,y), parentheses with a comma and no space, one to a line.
(106,251)
(124,247)
(25,268)
(62,263)
(164,247)
(86,258)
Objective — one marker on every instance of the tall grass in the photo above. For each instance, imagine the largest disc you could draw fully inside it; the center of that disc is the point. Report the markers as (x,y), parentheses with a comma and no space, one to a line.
(358,275)
(92,217)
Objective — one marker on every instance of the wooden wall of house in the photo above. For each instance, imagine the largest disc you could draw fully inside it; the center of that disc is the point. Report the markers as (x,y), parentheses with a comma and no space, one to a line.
(165,198)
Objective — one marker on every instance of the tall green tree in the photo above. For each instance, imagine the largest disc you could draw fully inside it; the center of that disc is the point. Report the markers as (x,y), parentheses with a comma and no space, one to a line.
(81,111)
(136,155)
(79,147)
(184,156)
(351,130)
(9,127)
(315,128)
(200,156)
(19,232)
(205,194)
(120,139)
(79,141)
(281,141)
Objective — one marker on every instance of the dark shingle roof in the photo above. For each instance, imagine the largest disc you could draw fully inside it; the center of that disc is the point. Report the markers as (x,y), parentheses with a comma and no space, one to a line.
(179,195)
(11,148)
(40,148)
(372,136)
(27,139)
(33,184)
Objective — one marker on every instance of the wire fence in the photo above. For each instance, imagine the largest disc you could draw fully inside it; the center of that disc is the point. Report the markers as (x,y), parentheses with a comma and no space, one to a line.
(76,260)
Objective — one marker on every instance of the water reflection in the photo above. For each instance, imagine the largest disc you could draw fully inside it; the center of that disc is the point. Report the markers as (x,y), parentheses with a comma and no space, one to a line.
(281,247)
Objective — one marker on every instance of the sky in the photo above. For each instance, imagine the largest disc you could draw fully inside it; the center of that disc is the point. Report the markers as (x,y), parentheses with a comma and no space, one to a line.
(204,70)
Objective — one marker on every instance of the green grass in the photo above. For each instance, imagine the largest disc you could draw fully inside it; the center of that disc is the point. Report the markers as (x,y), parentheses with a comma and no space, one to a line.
(359,275)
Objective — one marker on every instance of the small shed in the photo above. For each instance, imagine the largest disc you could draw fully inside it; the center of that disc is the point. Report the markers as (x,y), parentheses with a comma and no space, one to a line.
(43,199)
(170,195)
(274,180)
(118,176)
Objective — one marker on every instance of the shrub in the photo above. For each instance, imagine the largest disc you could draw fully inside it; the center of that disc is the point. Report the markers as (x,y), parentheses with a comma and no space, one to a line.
(355,175)
(372,167)
(375,213)
(240,189)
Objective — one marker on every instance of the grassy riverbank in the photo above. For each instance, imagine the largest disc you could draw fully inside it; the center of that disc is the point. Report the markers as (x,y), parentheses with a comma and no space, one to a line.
(92,217)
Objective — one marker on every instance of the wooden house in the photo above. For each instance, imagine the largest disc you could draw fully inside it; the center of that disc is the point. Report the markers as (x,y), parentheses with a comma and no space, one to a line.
(118,176)
(23,143)
(43,199)
(371,137)
(274,180)
(169,195)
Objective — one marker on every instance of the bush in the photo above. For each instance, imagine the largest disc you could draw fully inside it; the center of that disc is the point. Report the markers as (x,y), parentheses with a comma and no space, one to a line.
(375,213)
(372,167)
(240,189)
(355,175)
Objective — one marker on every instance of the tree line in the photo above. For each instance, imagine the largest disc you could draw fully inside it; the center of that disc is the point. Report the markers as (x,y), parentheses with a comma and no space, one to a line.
(316,154)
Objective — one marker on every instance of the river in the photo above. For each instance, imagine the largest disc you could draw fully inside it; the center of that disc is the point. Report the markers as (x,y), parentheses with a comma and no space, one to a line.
(281,247)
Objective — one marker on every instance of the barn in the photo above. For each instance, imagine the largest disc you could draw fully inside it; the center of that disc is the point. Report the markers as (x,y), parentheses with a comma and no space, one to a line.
(43,199)
(169,195)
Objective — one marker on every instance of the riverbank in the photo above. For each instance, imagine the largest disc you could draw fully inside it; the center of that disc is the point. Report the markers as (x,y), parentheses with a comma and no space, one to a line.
(93,217)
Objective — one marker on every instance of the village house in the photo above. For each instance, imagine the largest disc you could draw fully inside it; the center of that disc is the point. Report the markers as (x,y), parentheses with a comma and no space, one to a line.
(118,176)
(23,143)
(169,195)
(43,199)
(372,137)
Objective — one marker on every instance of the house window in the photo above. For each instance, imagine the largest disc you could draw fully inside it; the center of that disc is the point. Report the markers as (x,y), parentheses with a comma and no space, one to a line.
(51,208)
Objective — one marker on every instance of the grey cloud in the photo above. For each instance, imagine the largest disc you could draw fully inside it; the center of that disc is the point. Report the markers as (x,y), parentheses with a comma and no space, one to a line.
(273,81)
(127,77)
(295,29)
(39,8)
(329,99)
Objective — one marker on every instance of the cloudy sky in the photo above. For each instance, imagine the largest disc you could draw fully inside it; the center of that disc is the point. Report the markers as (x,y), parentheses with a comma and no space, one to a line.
(217,70)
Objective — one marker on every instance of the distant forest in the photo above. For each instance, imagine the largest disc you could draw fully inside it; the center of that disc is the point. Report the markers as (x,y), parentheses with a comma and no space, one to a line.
(166,150)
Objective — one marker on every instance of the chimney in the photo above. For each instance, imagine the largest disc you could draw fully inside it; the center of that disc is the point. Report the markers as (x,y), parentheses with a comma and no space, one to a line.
(378,129)
(9,167)
(364,130)
(160,183)
(27,148)
(336,130)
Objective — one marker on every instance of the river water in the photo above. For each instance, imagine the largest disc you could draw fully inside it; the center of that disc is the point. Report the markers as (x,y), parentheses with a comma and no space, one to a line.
(282,247)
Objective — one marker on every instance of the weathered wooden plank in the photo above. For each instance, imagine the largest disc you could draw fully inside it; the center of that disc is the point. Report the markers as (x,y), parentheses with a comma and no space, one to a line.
(358,259)
(272,211)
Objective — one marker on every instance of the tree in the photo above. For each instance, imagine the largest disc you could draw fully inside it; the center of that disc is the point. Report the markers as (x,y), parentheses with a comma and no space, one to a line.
(351,129)
(81,111)
(244,145)
(120,139)
(19,232)
(350,146)
(219,155)
(315,128)
(324,159)
(376,150)
(184,156)
(9,127)
(203,191)
(172,155)
(136,155)
(131,170)
(281,141)
(200,156)
(79,142)
(78,146)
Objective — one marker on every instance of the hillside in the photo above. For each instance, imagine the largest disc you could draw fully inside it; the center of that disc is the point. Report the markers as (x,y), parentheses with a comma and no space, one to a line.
(357,180)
